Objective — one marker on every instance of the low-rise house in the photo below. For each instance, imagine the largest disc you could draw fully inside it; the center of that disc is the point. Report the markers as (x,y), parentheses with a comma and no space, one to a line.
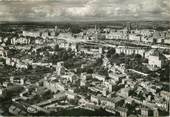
(95,99)
(20,40)
(135,37)
(71,95)
(123,111)
(60,95)
(99,77)
(21,65)
(54,86)
(92,107)
(144,112)
(116,35)
(130,50)
(39,41)
(125,92)
(3,52)
(163,105)
(85,76)
(155,58)
(17,109)
(1,90)
(31,33)
(111,102)
(116,77)
(165,94)
(167,41)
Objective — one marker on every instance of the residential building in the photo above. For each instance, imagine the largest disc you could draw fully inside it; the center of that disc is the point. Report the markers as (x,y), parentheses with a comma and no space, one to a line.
(165,94)
(134,37)
(156,59)
(20,41)
(99,77)
(71,95)
(31,33)
(130,50)
(123,111)
(3,52)
(125,92)
(95,99)
(144,112)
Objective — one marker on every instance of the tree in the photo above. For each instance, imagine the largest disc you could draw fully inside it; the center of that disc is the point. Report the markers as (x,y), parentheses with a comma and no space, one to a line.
(99,61)
(111,52)
(75,29)
(56,48)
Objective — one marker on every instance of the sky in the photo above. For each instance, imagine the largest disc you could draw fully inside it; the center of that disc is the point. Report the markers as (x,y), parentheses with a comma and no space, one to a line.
(84,10)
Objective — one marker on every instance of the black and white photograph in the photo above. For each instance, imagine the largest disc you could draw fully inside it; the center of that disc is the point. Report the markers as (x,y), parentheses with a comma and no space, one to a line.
(85,58)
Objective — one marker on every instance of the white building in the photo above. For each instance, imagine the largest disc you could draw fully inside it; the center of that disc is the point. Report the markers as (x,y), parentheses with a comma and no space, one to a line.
(125,92)
(71,95)
(99,77)
(134,37)
(155,58)
(116,35)
(20,40)
(3,52)
(130,50)
(54,86)
(167,41)
(31,33)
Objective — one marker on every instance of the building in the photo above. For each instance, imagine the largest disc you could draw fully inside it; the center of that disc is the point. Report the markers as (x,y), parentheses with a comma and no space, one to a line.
(20,41)
(167,41)
(156,59)
(111,101)
(59,96)
(95,99)
(21,65)
(123,111)
(54,86)
(17,109)
(125,92)
(155,112)
(110,86)
(83,83)
(22,81)
(165,95)
(91,50)
(60,68)
(130,50)
(11,79)
(71,95)
(116,35)
(85,76)
(39,40)
(31,33)
(143,32)
(156,37)
(3,52)
(144,112)
(106,62)
(135,37)
(116,77)
(99,77)
(1,90)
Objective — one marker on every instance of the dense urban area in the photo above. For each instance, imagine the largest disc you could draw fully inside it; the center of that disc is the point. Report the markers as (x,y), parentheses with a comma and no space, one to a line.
(68,69)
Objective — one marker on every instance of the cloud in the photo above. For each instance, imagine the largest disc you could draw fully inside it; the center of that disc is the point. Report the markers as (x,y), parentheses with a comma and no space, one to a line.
(52,10)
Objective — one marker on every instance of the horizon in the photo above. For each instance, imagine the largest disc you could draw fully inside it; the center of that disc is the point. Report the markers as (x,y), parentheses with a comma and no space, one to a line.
(83,21)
